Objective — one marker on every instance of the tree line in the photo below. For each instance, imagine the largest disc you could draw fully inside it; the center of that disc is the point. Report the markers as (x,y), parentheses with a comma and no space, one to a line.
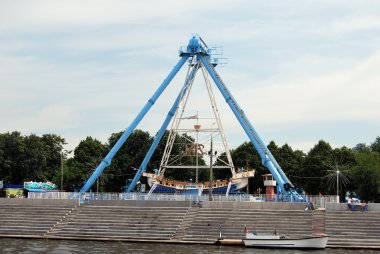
(319,171)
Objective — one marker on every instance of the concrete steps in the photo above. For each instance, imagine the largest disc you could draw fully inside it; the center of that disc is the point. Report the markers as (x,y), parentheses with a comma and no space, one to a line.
(186,223)
(29,219)
(122,222)
(205,226)
(63,221)
(182,224)
(319,226)
(353,229)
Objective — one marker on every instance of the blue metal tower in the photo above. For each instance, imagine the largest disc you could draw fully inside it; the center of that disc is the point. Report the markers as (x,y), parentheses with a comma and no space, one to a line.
(199,54)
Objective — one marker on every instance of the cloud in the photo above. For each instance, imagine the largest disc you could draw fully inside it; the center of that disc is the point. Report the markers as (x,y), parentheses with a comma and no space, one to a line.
(47,15)
(336,95)
(353,24)
(86,68)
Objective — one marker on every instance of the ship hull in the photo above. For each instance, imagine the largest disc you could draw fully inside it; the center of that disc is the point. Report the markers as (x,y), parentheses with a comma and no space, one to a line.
(193,191)
(221,187)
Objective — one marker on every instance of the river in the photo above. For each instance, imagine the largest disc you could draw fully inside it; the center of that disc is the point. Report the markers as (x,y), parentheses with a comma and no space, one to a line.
(26,246)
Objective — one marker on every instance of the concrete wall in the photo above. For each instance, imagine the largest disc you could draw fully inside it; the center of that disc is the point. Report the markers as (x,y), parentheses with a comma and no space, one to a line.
(343,207)
(27,201)
(254,205)
(374,207)
(207,204)
(141,203)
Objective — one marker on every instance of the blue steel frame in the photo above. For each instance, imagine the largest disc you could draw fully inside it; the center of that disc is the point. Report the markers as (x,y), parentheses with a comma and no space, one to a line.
(161,132)
(195,48)
(107,160)
(266,156)
(192,49)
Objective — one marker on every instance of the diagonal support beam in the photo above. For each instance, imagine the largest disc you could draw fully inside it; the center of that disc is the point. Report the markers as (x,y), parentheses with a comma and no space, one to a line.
(267,158)
(160,133)
(107,160)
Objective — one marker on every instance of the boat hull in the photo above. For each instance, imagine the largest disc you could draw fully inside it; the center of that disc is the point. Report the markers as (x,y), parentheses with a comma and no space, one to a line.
(311,242)
(238,181)
(193,191)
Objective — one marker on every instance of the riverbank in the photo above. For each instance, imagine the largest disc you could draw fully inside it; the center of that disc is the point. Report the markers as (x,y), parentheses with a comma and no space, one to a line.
(11,246)
(182,221)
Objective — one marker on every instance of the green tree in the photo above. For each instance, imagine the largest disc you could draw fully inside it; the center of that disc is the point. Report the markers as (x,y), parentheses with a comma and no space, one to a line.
(155,161)
(26,158)
(36,158)
(375,146)
(337,179)
(53,146)
(12,163)
(366,175)
(222,173)
(361,147)
(87,156)
(290,162)
(315,168)
(128,158)
(245,156)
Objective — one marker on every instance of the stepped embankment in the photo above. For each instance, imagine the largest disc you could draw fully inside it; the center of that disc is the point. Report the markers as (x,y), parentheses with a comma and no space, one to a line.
(182,221)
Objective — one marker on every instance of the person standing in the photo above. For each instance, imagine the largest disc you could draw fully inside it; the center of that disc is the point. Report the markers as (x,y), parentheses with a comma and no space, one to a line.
(349,203)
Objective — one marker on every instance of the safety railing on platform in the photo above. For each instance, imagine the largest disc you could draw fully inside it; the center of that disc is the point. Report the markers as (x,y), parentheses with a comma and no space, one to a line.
(318,201)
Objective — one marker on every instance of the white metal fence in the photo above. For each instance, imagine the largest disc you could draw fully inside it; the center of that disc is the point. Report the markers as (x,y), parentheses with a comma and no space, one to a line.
(318,201)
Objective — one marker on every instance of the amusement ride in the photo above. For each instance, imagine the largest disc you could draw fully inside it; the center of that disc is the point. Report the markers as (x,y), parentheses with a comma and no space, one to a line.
(200,138)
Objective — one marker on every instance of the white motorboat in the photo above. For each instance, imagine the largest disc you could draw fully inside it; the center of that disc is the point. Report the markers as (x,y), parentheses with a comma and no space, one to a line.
(281,241)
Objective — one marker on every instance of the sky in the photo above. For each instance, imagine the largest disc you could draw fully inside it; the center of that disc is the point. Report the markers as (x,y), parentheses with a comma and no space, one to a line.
(302,71)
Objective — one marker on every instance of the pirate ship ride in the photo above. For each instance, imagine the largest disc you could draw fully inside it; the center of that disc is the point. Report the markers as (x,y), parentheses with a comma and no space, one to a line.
(199,56)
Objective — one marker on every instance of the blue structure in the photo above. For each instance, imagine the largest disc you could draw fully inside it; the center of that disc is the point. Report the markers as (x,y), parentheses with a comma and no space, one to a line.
(161,132)
(107,160)
(199,54)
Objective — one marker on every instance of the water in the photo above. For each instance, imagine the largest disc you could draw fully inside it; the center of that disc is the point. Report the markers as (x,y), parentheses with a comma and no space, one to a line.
(9,245)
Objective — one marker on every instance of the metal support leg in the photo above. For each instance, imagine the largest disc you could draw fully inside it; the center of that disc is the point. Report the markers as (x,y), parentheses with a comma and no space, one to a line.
(161,132)
(266,156)
(107,160)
